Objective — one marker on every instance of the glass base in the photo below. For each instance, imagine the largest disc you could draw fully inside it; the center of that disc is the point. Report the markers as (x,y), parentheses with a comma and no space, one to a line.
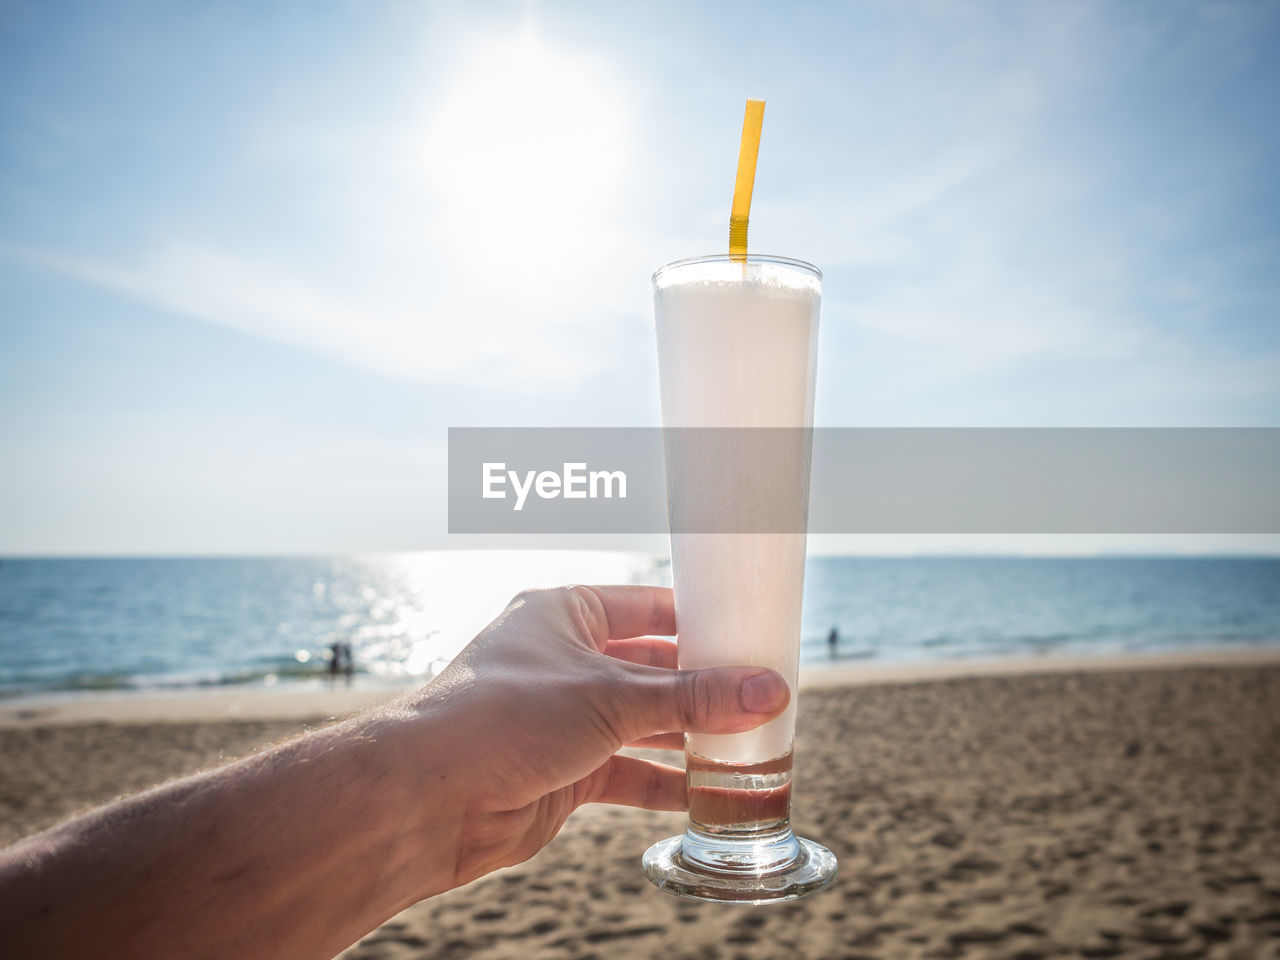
(742,871)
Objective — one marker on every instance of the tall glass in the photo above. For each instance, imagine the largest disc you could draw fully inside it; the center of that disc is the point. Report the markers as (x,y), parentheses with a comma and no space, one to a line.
(737,348)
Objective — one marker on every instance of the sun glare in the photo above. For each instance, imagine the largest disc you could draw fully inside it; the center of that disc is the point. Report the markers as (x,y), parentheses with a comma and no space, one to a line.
(526,149)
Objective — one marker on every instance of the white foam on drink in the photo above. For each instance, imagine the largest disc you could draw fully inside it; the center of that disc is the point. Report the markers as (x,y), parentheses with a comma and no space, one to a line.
(737,346)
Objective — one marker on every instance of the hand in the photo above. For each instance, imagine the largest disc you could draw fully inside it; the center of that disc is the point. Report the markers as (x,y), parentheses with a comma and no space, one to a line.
(539,703)
(350,824)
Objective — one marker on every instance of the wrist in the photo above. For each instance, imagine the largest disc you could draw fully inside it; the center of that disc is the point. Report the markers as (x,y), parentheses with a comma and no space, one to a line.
(475,822)
(407,762)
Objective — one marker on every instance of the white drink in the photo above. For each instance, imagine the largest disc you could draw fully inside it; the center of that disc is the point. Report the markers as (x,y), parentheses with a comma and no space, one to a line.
(737,345)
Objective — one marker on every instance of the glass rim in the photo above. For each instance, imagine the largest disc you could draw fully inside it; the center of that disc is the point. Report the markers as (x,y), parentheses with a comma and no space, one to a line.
(730,258)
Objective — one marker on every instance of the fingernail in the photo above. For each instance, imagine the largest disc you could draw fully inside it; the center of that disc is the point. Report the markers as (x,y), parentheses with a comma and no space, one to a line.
(763,692)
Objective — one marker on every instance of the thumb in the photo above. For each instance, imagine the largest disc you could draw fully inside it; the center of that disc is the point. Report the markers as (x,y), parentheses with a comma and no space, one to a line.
(711,700)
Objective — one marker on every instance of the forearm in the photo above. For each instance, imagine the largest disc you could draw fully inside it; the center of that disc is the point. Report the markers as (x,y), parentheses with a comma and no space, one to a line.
(299,852)
(295,853)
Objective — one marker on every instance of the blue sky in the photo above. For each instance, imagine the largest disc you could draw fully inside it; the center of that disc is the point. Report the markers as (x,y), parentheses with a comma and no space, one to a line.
(255,259)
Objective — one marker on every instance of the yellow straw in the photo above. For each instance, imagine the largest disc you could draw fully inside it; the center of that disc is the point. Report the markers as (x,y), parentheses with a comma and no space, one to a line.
(747,153)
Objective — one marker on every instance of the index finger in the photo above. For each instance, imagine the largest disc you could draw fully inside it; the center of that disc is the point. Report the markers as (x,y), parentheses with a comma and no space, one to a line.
(634,611)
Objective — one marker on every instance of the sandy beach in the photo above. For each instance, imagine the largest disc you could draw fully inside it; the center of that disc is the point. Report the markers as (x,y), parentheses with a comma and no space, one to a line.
(1028,810)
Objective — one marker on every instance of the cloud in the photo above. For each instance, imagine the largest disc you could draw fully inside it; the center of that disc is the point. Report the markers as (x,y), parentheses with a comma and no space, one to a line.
(458,327)
(1004,320)
(467,239)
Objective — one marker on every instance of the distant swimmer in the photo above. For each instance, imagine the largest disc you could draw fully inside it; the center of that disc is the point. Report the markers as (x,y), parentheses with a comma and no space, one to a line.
(341,659)
(833,640)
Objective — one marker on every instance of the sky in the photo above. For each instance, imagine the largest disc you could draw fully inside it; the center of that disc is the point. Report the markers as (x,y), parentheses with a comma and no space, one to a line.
(257,258)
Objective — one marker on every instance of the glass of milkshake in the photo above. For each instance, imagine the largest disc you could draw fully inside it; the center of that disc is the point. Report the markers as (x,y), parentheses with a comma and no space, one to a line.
(737,349)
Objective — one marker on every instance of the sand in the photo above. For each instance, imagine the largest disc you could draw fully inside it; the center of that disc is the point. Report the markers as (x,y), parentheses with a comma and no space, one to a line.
(1100,810)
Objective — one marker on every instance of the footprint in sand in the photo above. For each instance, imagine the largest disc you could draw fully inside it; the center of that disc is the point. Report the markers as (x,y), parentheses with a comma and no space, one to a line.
(628,933)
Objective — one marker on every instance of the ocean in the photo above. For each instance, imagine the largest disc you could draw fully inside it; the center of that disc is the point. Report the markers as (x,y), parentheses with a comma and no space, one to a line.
(97,624)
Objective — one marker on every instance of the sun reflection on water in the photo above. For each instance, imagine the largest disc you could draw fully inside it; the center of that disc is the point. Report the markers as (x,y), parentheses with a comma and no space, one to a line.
(440,601)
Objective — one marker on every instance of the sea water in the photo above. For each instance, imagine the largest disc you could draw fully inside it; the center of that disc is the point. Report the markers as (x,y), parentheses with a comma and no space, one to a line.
(91,624)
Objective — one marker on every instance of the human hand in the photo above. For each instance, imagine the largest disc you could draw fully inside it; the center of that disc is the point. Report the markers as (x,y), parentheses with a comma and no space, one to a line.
(352,823)
(537,706)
